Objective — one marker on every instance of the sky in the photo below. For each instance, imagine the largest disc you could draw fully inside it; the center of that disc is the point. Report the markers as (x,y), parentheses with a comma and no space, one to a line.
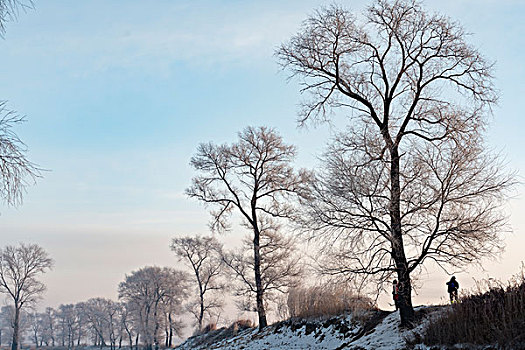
(119,93)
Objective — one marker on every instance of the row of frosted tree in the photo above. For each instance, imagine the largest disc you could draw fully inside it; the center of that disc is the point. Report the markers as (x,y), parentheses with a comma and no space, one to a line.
(153,301)
(147,313)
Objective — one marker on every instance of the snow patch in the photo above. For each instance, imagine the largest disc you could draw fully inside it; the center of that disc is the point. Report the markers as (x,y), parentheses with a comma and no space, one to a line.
(380,332)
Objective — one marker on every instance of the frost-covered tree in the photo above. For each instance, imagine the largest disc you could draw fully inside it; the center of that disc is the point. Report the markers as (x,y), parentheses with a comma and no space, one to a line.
(20,267)
(81,323)
(48,328)
(130,323)
(35,325)
(66,322)
(6,324)
(203,255)
(147,291)
(96,313)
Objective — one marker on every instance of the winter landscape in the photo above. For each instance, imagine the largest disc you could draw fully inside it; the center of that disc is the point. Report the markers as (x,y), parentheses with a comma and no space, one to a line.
(262,175)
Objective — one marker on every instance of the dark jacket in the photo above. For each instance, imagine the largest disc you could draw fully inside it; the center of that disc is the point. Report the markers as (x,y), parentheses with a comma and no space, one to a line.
(395,291)
(453,286)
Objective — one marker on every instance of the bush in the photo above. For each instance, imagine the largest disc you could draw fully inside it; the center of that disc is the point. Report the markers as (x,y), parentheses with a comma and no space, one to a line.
(496,316)
(325,301)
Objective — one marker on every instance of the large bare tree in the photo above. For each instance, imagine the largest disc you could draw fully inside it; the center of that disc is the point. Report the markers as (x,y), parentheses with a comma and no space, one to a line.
(204,256)
(410,179)
(253,177)
(20,267)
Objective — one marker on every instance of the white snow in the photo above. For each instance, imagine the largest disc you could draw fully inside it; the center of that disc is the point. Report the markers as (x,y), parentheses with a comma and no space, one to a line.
(387,335)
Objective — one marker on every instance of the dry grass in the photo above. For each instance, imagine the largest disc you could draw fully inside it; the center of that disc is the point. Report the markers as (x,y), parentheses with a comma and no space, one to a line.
(243,324)
(209,327)
(240,325)
(495,316)
(325,301)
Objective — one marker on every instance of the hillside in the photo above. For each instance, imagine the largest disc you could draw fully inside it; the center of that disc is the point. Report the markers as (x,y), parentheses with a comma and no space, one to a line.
(377,330)
(491,318)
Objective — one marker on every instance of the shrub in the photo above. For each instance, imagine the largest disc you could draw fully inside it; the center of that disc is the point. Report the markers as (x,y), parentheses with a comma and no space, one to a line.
(326,300)
(496,316)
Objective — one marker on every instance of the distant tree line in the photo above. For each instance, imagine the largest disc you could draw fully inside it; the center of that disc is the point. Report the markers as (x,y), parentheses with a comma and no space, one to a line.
(147,314)
(152,301)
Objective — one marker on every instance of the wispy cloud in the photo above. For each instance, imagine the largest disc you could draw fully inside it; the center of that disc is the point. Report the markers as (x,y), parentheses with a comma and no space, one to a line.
(192,35)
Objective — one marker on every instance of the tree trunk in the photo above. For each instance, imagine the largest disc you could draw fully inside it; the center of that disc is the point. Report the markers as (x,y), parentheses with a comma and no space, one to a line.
(130,340)
(258,281)
(170,342)
(406,310)
(201,313)
(16,328)
(157,325)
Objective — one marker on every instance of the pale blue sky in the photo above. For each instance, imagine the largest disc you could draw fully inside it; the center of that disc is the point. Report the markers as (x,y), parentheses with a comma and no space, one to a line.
(118,94)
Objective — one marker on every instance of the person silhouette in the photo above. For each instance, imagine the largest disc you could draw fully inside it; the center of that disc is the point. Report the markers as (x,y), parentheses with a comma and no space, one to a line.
(395,293)
(452,289)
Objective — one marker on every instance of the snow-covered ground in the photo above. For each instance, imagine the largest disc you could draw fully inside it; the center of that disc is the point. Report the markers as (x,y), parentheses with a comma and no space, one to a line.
(381,332)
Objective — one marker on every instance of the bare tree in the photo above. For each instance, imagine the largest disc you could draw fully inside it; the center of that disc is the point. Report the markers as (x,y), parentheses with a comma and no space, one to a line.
(129,322)
(280,267)
(171,310)
(203,254)
(7,322)
(99,313)
(35,322)
(19,268)
(16,171)
(411,179)
(113,316)
(7,316)
(9,10)
(253,177)
(48,319)
(80,322)
(66,319)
